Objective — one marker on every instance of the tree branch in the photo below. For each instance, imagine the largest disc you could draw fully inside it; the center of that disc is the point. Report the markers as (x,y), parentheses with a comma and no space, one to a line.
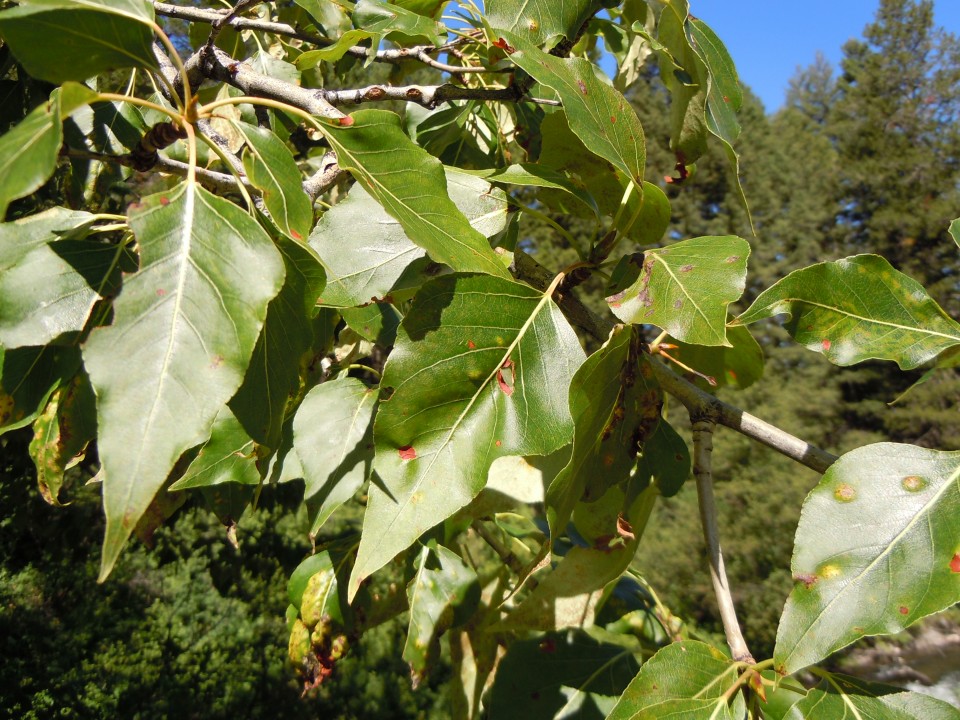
(696,401)
(430,96)
(702,471)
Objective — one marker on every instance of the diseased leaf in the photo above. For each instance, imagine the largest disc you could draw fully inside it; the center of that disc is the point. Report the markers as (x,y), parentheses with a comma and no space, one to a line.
(273,375)
(560,675)
(896,561)
(599,115)
(229,456)
(442,582)
(479,371)
(615,405)
(271,168)
(687,679)
(28,376)
(538,21)
(368,255)
(61,434)
(333,438)
(54,284)
(28,152)
(184,329)
(857,309)
(59,40)
(410,185)
(685,288)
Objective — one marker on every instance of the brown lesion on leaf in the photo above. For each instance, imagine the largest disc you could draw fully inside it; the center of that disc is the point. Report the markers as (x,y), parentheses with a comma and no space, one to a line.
(506,386)
(807,579)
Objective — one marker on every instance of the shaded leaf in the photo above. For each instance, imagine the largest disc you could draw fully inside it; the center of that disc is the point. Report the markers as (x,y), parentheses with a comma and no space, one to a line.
(229,456)
(184,329)
(560,675)
(857,309)
(615,406)
(599,115)
(273,375)
(59,40)
(738,365)
(536,175)
(665,463)
(61,433)
(410,184)
(685,288)
(272,169)
(442,582)
(28,376)
(28,152)
(896,561)
(368,255)
(955,231)
(479,371)
(333,438)
(686,679)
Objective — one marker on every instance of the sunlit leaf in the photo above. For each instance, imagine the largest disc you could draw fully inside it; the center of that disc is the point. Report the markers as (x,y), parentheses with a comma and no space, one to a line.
(857,309)
(55,283)
(368,255)
(599,115)
(441,583)
(685,288)
(896,561)
(686,679)
(58,40)
(411,186)
(479,371)
(540,20)
(394,20)
(185,327)
(271,168)
(229,456)
(333,438)
(331,53)
(560,675)
(955,231)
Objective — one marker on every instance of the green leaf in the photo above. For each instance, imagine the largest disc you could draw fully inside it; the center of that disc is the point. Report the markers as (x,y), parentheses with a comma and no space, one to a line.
(560,675)
(28,153)
(333,438)
(615,406)
(541,20)
(857,309)
(55,284)
(273,376)
(271,168)
(185,327)
(837,696)
(479,371)
(229,456)
(955,231)
(61,434)
(896,561)
(395,21)
(411,186)
(599,115)
(428,8)
(665,463)
(536,175)
(28,376)
(332,53)
(442,583)
(739,365)
(59,40)
(686,679)
(685,288)
(368,255)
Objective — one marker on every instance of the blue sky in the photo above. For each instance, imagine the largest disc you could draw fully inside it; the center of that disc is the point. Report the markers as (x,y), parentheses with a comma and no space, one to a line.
(769,39)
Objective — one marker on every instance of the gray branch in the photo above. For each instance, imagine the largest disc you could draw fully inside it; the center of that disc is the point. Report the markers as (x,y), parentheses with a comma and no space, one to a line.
(430,96)
(703,472)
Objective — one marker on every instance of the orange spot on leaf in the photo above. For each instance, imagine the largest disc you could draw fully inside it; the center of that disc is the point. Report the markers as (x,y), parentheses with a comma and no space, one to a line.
(471,344)
(613,120)
(826,345)
(295,235)
(955,563)
(164,201)
(346,121)
(407,453)
(904,610)
(498,443)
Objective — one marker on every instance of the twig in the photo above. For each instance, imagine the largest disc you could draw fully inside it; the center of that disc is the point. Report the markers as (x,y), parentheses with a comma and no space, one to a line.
(702,471)
(696,401)
(430,96)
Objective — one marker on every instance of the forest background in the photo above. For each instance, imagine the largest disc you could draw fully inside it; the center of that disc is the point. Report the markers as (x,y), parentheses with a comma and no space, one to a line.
(863,158)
